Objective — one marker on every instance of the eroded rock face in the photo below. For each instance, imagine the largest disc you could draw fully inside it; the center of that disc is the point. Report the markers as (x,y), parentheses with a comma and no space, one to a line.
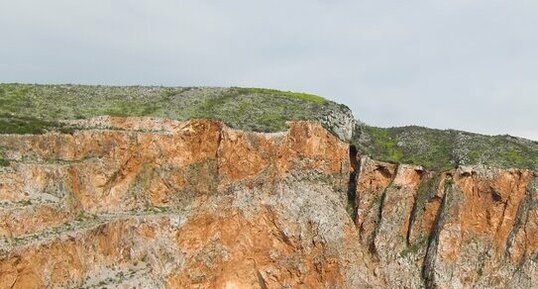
(467,228)
(162,204)
(155,203)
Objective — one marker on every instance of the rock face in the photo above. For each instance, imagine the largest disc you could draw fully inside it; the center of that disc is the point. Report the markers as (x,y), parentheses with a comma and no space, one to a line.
(155,203)
(468,228)
(163,204)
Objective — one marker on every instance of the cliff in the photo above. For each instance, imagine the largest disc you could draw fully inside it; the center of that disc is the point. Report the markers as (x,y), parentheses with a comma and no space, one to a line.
(471,227)
(155,203)
(154,199)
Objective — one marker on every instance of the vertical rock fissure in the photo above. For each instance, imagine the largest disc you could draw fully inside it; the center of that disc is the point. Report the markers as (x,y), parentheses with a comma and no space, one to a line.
(371,242)
(352,183)
(371,246)
(217,152)
(428,274)
(522,216)
(414,211)
(411,222)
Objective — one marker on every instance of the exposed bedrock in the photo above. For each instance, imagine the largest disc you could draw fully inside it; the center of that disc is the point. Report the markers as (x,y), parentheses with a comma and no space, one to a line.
(155,203)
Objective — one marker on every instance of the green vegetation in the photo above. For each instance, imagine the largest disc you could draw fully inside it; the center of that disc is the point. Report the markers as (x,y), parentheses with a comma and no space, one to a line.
(429,148)
(3,161)
(84,217)
(426,190)
(34,109)
(25,202)
(28,125)
(202,177)
(297,95)
(415,248)
(384,145)
(448,183)
(378,199)
(442,150)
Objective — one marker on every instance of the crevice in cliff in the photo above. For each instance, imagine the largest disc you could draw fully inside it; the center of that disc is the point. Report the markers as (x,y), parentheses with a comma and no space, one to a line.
(424,192)
(521,219)
(352,183)
(371,246)
(428,274)
(217,152)
(371,241)
(412,216)
(411,223)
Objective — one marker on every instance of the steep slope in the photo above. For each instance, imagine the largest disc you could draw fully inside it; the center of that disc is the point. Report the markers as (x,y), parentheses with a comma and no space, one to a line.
(268,190)
(472,227)
(168,204)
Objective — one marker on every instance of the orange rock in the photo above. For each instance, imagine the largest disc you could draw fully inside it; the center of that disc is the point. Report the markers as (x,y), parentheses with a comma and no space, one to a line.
(157,203)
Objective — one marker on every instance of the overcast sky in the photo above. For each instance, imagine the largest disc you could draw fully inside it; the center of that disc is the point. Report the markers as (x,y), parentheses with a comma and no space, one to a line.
(463,64)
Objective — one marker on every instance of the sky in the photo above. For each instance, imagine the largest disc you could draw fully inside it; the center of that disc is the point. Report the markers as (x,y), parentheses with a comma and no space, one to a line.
(461,64)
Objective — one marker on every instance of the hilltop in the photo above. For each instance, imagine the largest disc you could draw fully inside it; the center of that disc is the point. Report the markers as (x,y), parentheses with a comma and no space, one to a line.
(35,109)
(26,108)
(442,150)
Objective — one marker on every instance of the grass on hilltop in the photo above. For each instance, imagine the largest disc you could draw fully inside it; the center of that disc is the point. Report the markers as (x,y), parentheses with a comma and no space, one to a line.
(445,149)
(35,109)
(31,109)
